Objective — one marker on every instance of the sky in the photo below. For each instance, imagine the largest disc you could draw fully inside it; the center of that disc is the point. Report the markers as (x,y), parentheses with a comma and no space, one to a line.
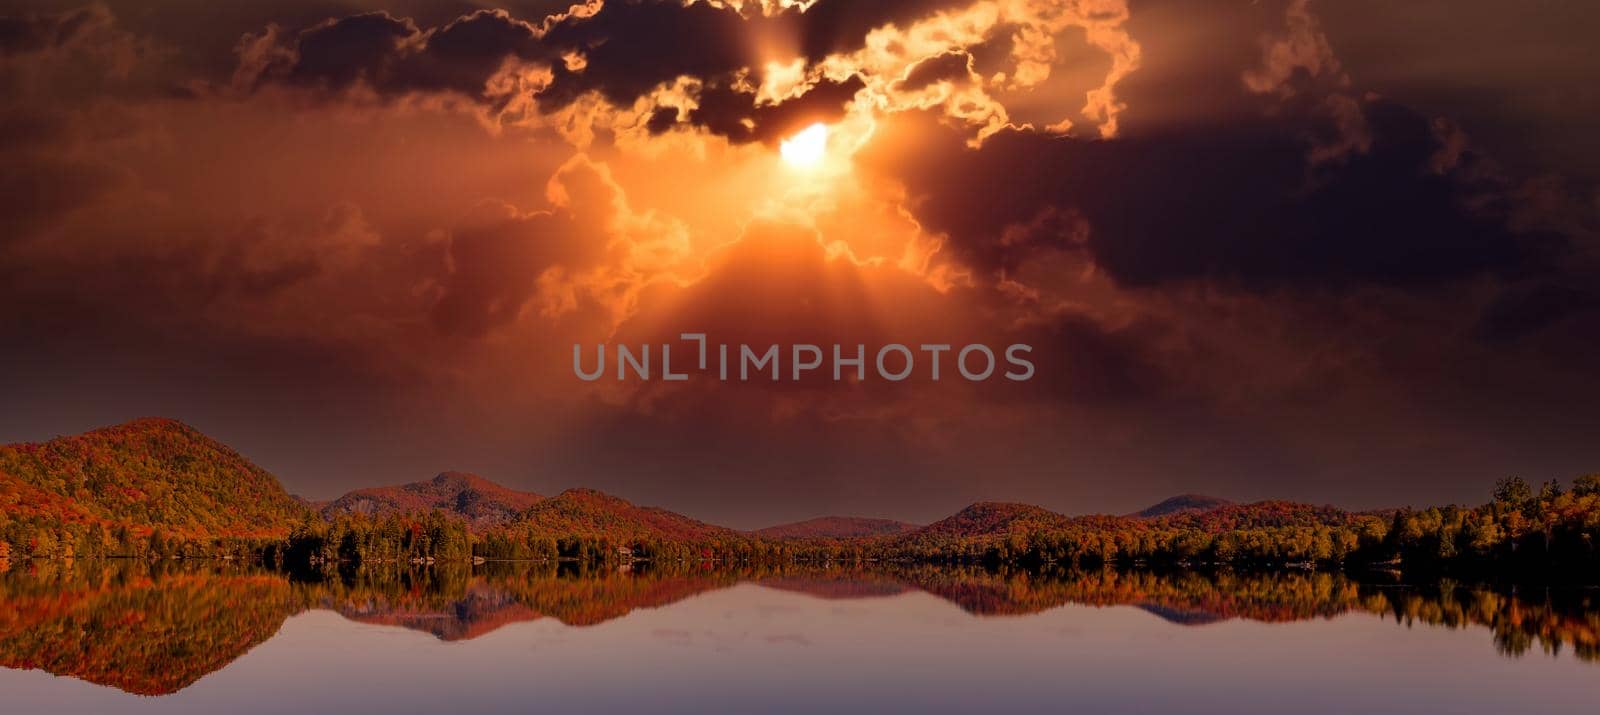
(1332,252)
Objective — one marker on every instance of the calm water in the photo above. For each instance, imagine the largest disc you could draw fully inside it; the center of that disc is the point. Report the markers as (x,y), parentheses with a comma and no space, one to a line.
(207,638)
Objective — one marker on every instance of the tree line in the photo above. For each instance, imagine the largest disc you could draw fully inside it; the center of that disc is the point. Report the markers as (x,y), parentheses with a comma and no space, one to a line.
(1520,530)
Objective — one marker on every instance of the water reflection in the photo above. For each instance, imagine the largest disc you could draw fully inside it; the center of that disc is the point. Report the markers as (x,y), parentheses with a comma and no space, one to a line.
(156,628)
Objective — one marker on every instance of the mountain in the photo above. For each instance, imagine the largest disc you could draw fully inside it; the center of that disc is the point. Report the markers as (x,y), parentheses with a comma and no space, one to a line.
(1182,504)
(591,513)
(993,519)
(971,530)
(157,487)
(482,503)
(837,527)
(101,490)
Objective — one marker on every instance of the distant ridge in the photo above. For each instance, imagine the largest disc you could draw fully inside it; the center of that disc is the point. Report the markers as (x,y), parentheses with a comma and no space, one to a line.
(157,487)
(595,513)
(993,519)
(1182,504)
(482,503)
(982,523)
(837,527)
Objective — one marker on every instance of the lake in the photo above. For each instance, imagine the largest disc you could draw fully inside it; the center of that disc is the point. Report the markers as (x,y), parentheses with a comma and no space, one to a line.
(210,637)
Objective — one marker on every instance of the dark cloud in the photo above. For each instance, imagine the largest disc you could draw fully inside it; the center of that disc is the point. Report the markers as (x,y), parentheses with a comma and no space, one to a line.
(734,114)
(465,52)
(1524,310)
(833,26)
(341,52)
(630,47)
(577,260)
(392,56)
(37,33)
(73,55)
(1218,279)
(1088,361)
(1245,204)
(1194,58)
(57,73)
(36,190)
(498,253)
(495,262)
(622,51)
(949,66)
(1515,75)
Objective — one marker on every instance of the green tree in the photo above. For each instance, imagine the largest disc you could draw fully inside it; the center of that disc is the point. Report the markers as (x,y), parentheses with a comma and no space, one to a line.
(1586,485)
(1512,491)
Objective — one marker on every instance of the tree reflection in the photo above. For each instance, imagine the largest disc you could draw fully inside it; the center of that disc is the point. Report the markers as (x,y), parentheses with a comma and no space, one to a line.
(154,628)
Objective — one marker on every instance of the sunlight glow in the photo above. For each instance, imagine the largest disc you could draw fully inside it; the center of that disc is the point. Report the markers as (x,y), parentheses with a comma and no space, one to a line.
(806,149)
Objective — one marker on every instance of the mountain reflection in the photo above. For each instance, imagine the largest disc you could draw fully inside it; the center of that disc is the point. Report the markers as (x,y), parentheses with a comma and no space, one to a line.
(156,628)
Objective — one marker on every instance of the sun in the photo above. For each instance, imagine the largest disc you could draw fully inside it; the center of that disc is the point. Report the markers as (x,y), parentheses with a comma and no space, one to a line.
(805,149)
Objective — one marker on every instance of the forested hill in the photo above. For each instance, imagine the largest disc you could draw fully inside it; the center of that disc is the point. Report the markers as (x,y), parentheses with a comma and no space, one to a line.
(482,503)
(973,530)
(587,512)
(158,488)
(102,490)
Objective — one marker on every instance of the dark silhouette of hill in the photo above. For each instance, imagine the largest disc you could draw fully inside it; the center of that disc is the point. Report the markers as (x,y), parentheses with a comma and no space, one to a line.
(1182,616)
(837,527)
(1181,504)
